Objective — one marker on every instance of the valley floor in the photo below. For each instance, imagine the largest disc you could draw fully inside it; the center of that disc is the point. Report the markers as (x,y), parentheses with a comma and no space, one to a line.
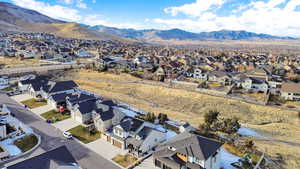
(281,127)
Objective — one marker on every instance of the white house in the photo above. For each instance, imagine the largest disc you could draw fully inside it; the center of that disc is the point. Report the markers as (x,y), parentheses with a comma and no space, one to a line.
(4,81)
(255,84)
(290,91)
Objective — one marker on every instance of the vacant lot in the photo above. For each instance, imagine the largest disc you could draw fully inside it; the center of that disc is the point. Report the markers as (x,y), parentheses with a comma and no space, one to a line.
(190,106)
(125,160)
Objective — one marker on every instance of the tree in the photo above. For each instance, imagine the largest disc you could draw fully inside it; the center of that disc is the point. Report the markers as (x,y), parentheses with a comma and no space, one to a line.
(248,145)
(211,117)
(229,126)
(150,117)
(162,117)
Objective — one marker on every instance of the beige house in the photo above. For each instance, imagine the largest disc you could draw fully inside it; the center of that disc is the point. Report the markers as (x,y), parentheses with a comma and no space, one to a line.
(290,91)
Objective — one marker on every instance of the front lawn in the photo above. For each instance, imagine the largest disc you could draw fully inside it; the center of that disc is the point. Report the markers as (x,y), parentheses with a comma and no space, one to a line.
(55,116)
(26,143)
(33,103)
(125,160)
(84,135)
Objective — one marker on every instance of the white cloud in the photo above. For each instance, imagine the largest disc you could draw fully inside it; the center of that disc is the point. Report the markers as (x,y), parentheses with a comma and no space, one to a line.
(195,9)
(258,16)
(67,1)
(81,4)
(55,11)
(94,1)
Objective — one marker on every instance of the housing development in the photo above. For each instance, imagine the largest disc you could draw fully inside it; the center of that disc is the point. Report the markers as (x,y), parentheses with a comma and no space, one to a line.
(84,96)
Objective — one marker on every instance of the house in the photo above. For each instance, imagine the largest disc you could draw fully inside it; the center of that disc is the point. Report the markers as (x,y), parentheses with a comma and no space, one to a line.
(189,151)
(221,77)
(69,98)
(24,84)
(145,140)
(106,115)
(57,87)
(290,91)
(196,73)
(120,132)
(255,84)
(59,158)
(82,53)
(4,81)
(82,111)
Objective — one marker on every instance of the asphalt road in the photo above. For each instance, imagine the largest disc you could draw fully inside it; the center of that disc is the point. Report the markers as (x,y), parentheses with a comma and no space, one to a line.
(53,138)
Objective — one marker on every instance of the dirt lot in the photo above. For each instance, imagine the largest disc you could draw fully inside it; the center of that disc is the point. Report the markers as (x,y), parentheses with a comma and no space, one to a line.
(281,126)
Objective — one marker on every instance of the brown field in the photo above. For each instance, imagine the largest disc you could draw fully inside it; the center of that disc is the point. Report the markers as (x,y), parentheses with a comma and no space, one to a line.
(15,62)
(282,126)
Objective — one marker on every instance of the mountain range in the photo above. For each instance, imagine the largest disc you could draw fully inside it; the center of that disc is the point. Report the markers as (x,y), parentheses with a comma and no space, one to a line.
(15,18)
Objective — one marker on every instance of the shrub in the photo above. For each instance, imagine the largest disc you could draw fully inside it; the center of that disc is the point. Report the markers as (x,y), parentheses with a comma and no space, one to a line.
(211,117)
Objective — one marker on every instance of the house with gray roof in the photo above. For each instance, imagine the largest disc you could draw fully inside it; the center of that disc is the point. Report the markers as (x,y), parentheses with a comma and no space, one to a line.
(58,158)
(188,151)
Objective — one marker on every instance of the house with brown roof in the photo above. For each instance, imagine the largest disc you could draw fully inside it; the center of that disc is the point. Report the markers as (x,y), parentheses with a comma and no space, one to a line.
(190,151)
(290,91)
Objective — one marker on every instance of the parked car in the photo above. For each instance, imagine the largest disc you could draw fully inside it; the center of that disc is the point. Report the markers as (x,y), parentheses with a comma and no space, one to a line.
(68,135)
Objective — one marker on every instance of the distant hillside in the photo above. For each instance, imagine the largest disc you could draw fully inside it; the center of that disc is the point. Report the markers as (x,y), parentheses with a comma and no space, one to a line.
(15,18)
(181,35)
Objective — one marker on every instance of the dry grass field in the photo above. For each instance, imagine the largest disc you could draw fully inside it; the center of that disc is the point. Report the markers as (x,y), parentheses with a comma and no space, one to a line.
(282,126)
(15,62)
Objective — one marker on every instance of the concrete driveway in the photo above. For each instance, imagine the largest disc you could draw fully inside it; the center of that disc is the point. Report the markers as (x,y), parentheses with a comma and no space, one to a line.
(42,109)
(21,97)
(105,149)
(66,124)
(147,164)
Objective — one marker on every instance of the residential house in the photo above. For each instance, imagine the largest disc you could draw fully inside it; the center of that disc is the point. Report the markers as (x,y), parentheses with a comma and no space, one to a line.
(57,87)
(221,77)
(145,140)
(254,84)
(106,115)
(59,158)
(82,53)
(82,111)
(188,151)
(24,84)
(4,81)
(290,91)
(2,130)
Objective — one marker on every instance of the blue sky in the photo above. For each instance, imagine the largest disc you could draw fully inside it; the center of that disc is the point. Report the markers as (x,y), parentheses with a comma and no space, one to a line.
(277,17)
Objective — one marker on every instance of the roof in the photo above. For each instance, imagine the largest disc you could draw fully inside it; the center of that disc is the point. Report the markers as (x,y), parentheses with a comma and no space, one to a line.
(87,106)
(54,159)
(190,144)
(290,87)
(53,87)
(35,80)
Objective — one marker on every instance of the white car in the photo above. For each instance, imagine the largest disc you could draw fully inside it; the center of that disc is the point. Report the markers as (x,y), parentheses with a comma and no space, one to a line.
(67,135)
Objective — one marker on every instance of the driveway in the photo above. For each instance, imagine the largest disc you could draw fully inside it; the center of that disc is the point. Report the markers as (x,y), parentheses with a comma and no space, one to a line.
(147,164)
(105,149)
(42,109)
(21,97)
(66,124)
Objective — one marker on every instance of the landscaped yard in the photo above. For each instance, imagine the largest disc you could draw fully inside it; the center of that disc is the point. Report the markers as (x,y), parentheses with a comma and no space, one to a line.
(55,116)
(84,135)
(26,143)
(125,160)
(33,103)
(234,150)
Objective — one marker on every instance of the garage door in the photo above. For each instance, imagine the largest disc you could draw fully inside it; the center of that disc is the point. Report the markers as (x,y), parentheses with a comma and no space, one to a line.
(77,118)
(117,144)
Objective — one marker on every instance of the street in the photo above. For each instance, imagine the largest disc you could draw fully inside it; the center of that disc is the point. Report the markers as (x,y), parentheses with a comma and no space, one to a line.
(53,138)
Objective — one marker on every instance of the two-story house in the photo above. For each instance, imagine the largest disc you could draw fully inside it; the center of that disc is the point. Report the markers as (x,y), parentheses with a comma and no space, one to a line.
(188,151)
(255,84)
(290,91)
